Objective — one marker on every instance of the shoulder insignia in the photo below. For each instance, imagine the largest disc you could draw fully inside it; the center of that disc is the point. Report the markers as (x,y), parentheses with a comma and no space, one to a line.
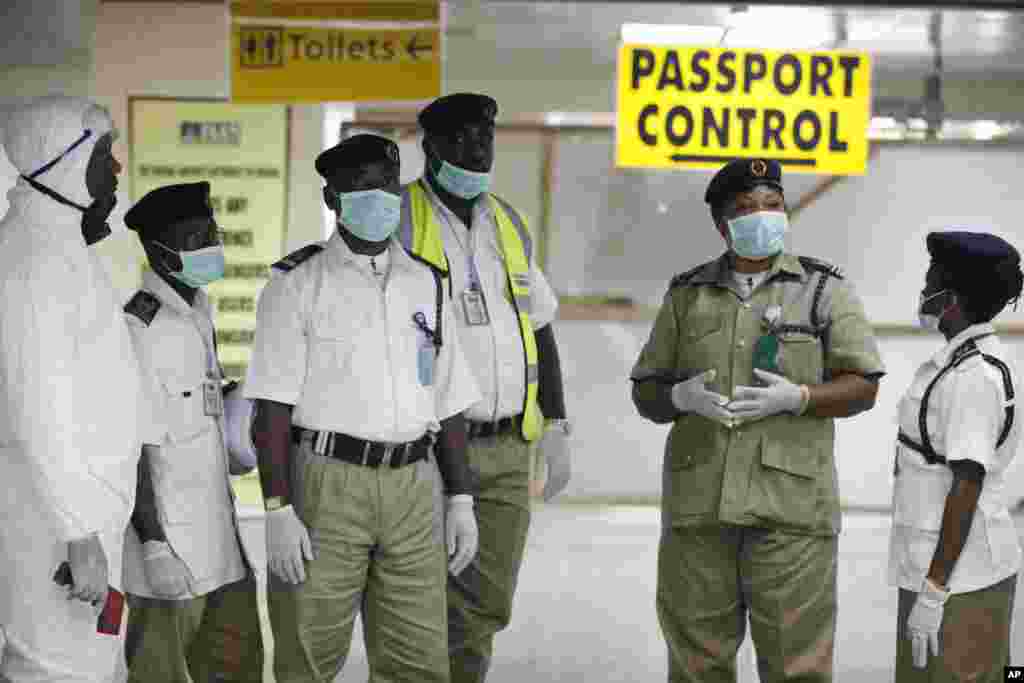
(297,257)
(684,278)
(143,306)
(810,263)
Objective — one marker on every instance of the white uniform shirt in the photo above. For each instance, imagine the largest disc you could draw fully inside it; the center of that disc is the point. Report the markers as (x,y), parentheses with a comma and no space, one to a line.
(965,417)
(494,351)
(347,354)
(193,491)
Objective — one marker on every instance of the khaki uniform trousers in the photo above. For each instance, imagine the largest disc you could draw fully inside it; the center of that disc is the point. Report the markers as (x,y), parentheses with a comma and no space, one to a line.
(974,642)
(373,536)
(711,578)
(215,637)
(480,598)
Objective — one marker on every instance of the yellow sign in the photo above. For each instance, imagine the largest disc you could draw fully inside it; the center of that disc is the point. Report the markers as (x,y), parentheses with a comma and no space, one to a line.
(241,150)
(289,63)
(700,107)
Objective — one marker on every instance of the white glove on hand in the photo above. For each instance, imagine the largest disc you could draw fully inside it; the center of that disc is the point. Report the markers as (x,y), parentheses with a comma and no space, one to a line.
(554,446)
(167,574)
(691,396)
(462,535)
(780,396)
(287,545)
(925,621)
(89,570)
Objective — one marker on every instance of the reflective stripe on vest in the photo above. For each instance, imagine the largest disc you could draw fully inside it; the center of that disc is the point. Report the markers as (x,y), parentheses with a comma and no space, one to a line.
(420,234)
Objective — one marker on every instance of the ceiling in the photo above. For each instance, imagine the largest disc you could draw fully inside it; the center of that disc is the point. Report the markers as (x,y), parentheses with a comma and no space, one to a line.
(987,41)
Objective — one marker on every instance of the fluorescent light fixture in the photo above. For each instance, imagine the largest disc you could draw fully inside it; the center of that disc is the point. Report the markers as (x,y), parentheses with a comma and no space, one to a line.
(884,122)
(986,130)
(671,34)
(779,27)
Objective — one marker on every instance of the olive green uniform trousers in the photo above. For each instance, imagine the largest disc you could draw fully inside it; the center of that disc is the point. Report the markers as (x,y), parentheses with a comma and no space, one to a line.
(711,578)
(480,598)
(376,552)
(215,637)
(974,641)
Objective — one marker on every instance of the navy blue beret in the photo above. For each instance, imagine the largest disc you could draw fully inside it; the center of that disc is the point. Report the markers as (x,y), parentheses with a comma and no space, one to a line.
(451,112)
(168,205)
(740,175)
(977,264)
(355,152)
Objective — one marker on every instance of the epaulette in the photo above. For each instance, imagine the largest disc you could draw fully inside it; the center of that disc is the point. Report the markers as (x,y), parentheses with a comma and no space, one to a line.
(297,257)
(684,278)
(811,263)
(143,306)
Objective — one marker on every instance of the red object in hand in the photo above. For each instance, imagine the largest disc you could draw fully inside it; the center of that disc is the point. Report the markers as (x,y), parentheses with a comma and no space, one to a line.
(109,621)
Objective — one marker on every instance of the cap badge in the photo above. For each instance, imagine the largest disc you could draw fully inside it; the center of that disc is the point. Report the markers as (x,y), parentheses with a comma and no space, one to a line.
(758,168)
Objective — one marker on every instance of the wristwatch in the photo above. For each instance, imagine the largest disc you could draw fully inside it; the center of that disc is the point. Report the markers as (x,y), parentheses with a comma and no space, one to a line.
(274,503)
(563,424)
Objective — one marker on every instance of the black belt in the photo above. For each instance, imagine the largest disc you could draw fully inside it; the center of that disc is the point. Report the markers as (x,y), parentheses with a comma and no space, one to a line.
(932,458)
(482,430)
(367,453)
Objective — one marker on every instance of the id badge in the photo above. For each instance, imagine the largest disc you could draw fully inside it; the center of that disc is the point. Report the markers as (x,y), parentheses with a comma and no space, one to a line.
(474,307)
(425,363)
(766,353)
(213,401)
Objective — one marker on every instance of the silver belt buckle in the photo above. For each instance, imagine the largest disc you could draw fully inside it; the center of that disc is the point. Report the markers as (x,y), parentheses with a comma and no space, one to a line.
(385,459)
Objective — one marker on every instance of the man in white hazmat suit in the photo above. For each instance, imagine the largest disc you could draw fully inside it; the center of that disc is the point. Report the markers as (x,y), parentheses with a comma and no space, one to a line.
(70,399)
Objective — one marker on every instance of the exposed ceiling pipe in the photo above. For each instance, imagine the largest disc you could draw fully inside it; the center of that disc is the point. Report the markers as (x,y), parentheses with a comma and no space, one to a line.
(933,108)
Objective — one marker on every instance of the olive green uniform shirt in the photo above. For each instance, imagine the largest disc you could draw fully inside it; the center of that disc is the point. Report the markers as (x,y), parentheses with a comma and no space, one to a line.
(778,472)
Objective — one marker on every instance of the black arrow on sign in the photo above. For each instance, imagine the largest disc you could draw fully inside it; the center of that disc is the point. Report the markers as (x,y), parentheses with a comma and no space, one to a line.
(414,48)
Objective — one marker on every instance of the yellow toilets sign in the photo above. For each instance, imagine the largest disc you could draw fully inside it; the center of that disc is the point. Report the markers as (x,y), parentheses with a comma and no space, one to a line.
(321,52)
(700,107)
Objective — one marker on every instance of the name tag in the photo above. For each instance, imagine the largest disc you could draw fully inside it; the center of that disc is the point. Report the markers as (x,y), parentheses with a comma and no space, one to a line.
(474,307)
(213,401)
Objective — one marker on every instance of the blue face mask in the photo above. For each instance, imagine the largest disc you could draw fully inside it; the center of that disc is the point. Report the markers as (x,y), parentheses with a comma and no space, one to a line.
(463,183)
(758,235)
(200,267)
(370,215)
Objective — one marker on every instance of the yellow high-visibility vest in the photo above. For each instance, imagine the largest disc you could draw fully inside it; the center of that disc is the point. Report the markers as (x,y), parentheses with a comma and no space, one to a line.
(420,234)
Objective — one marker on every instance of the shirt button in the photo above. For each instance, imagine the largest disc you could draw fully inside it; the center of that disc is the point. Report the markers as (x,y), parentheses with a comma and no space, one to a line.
(740,344)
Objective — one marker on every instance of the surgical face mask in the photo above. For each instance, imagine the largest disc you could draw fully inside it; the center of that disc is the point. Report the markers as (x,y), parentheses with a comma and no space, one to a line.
(758,235)
(94,216)
(370,215)
(199,267)
(463,183)
(929,321)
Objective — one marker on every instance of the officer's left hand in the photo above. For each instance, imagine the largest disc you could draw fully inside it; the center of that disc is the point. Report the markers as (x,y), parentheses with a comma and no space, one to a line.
(924,623)
(462,535)
(753,403)
(554,446)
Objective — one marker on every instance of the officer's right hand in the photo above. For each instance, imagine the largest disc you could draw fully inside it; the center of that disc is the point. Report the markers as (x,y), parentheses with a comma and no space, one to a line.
(692,396)
(166,573)
(288,545)
(89,570)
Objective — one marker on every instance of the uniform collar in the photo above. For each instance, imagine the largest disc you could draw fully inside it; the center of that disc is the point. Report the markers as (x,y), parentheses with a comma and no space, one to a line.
(167,294)
(348,257)
(941,357)
(720,271)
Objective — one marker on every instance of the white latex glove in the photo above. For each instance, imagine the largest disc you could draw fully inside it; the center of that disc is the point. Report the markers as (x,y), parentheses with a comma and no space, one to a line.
(692,396)
(89,570)
(754,403)
(925,621)
(461,533)
(167,574)
(554,446)
(288,545)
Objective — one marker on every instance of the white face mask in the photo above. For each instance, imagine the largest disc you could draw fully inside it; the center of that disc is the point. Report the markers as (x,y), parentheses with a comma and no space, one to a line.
(929,321)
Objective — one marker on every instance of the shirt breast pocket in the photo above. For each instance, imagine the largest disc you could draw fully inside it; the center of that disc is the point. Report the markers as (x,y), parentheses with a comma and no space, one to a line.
(330,344)
(800,357)
(701,344)
(186,418)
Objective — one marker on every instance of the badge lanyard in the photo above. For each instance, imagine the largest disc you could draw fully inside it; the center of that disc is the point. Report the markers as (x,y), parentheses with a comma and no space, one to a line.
(213,401)
(474,306)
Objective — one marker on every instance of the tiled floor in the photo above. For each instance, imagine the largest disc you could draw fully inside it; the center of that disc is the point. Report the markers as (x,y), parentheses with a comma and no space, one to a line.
(585,606)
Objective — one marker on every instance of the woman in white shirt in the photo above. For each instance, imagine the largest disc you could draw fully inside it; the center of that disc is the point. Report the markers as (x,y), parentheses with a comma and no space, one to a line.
(954,553)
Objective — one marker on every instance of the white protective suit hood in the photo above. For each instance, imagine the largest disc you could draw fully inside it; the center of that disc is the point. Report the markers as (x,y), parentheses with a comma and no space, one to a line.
(36,135)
